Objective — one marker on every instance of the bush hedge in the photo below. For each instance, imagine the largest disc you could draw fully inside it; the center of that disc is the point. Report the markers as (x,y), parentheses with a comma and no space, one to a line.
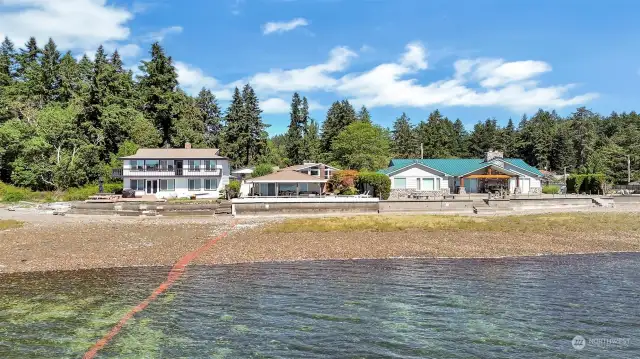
(262,170)
(9,193)
(342,181)
(380,183)
(586,183)
(550,189)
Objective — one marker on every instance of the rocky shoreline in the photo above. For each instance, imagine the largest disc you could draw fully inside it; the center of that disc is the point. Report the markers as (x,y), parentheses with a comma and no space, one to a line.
(48,242)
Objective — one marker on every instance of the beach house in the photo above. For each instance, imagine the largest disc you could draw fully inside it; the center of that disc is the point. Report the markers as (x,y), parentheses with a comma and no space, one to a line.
(305,179)
(463,175)
(175,172)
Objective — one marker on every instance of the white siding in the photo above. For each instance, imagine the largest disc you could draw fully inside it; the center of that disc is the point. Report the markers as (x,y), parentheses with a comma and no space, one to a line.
(413,173)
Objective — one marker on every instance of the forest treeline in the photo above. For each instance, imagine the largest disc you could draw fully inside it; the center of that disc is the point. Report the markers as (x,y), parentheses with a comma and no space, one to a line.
(64,122)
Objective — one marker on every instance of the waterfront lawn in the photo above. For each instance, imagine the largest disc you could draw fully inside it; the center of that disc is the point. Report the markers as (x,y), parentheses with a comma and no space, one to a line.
(537,223)
(9,223)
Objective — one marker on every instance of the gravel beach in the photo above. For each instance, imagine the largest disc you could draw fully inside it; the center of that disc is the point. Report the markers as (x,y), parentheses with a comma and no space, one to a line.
(48,242)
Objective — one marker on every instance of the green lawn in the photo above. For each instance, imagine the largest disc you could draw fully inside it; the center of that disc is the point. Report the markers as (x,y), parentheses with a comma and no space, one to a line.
(571,222)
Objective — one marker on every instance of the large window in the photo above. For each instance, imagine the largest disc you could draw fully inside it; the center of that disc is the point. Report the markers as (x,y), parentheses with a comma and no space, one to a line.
(399,183)
(427,184)
(137,184)
(152,165)
(315,171)
(210,165)
(167,184)
(194,165)
(210,184)
(136,165)
(327,173)
(166,165)
(195,184)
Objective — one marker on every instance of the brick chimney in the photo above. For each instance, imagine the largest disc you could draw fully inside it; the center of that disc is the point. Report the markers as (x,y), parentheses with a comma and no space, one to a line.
(187,145)
(322,170)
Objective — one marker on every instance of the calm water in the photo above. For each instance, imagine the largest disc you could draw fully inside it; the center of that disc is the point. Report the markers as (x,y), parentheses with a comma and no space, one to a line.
(511,308)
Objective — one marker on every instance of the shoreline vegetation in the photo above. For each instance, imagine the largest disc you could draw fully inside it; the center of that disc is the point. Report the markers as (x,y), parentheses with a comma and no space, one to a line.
(82,242)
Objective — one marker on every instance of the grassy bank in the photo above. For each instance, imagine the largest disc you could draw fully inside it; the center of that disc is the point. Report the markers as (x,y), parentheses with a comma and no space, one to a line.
(9,223)
(13,194)
(561,222)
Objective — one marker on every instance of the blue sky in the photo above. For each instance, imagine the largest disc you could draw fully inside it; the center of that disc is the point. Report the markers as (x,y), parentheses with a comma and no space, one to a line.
(470,59)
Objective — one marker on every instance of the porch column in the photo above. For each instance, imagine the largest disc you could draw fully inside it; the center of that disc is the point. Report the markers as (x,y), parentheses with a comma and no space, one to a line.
(517,181)
(461,181)
(277,189)
(297,189)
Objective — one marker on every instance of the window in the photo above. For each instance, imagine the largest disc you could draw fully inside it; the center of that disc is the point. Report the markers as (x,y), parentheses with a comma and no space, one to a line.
(427,184)
(327,173)
(137,184)
(315,172)
(152,165)
(195,184)
(194,165)
(399,182)
(304,187)
(210,184)
(137,165)
(167,185)
(437,184)
(166,165)
(264,189)
(210,165)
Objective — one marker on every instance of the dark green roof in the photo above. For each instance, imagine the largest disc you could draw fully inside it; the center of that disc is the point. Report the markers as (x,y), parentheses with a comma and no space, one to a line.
(455,166)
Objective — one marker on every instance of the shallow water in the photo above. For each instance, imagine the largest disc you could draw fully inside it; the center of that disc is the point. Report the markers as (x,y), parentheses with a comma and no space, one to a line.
(507,308)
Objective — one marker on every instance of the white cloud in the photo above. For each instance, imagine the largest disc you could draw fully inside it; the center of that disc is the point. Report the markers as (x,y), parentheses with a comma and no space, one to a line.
(162,33)
(311,78)
(74,24)
(277,105)
(193,79)
(476,82)
(128,50)
(284,26)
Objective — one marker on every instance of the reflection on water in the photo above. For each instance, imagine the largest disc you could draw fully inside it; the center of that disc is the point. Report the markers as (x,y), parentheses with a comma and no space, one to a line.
(530,307)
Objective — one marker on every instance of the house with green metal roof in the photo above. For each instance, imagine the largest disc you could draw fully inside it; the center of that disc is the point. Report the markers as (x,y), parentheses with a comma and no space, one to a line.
(463,175)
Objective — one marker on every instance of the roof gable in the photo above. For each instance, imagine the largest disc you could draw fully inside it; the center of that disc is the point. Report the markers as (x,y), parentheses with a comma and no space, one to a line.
(175,153)
(456,166)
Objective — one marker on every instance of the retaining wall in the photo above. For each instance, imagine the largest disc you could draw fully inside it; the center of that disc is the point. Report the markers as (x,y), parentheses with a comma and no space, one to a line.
(137,209)
(280,206)
(541,203)
(627,201)
(426,206)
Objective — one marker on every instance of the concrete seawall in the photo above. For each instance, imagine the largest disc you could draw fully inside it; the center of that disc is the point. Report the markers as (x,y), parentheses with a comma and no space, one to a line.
(149,209)
(517,204)
(293,206)
(426,206)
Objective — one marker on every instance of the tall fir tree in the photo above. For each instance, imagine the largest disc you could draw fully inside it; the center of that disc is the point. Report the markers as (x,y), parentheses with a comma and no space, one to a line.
(312,141)
(437,136)
(340,115)
(404,141)
(295,134)
(7,62)
(49,73)
(255,135)
(582,123)
(211,117)
(157,85)
(364,115)
(508,140)
(28,60)
(233,130)
(461,139)
(122,88)
(70,81)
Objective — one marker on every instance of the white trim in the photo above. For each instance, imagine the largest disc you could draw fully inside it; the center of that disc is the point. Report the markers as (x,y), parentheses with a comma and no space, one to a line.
(491,165)
(511,164)
(419,164)
(319,180)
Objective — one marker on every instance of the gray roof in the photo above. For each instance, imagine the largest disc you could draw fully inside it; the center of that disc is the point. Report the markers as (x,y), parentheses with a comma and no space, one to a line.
(174,154)
(286,176)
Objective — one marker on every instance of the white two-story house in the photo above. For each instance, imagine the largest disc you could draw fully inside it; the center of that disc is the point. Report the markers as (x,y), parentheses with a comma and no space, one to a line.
(175,172)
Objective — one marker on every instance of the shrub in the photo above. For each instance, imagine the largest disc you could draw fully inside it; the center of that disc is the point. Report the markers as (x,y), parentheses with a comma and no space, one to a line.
(342,180)
(262,170)
(80,193)
(9,193)
(350,191)
(233,189)
(551,189)
(380,183)
(588,183)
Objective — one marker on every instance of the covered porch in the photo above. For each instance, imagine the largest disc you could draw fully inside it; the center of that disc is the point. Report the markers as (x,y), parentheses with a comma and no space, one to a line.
(286,184)
(491,179)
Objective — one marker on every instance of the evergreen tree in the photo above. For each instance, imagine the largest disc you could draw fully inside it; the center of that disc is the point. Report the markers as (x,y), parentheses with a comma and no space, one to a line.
(362,146)
(582,124)
(7,62)
(537,138)
(211,117)
(233,130)
(437,136)
(461,140)
(405,143)
(364,115)
(312,141)
(158,84)
(70,82)
(295,134)
(562,152)
(28,60)
(340,115)
(122,86)
(50,73)
(508,140)
(254,135)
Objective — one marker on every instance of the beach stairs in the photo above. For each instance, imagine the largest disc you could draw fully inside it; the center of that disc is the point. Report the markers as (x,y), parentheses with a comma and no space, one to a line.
(223,208)
(606,202)
(481,207)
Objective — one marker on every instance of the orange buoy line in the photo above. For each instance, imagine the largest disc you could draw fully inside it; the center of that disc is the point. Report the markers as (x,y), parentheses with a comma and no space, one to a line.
(176,272)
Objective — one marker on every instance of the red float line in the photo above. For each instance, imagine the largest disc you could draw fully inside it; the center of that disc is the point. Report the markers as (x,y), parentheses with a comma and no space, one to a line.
(176,272)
